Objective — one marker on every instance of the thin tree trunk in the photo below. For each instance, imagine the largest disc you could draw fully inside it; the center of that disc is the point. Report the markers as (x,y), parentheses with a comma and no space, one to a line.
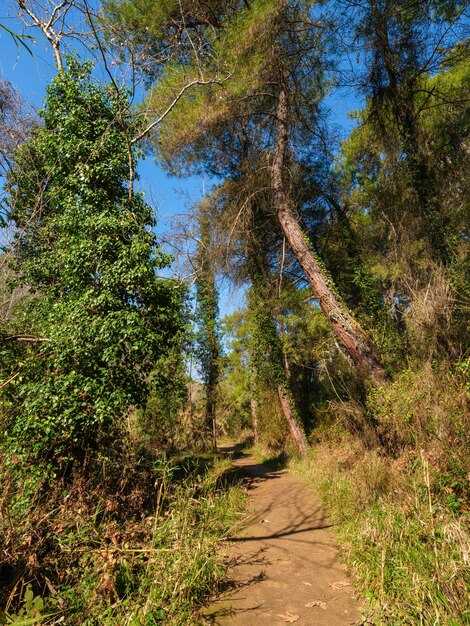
(254,418)
(295,430)
(214,433)
(359,347)
(211,427)
(207,319)
(279,364)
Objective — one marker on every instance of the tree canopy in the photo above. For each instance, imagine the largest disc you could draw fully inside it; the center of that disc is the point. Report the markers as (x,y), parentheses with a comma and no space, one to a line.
(344,356)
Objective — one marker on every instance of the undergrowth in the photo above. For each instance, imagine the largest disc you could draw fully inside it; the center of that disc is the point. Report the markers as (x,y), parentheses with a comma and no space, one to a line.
(402,511)
(123,540)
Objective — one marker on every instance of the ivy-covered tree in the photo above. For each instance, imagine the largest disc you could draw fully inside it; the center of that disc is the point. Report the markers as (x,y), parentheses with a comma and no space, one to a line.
(405,43)
(268,361)
(208,349)
(407,189)
(99,318)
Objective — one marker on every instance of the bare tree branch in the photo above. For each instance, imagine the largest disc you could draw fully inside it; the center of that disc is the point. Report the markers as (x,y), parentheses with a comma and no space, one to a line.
(24,338)
(197,81)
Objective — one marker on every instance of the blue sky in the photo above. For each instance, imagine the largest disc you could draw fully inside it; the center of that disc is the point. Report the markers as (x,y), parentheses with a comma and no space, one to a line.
(30,75)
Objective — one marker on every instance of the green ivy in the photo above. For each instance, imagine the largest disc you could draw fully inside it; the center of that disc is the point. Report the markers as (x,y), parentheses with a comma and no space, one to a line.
(86,249)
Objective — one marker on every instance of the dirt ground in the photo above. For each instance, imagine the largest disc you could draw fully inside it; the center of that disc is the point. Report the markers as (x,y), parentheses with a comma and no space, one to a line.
(285,567)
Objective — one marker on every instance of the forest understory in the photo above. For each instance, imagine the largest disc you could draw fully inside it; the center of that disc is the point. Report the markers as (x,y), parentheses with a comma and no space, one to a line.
(310,299)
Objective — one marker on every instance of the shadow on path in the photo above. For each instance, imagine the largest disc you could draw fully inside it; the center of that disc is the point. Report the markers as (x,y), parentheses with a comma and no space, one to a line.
(284,559)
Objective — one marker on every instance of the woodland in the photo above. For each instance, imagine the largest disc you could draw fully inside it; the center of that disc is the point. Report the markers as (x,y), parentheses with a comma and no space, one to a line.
(121,365)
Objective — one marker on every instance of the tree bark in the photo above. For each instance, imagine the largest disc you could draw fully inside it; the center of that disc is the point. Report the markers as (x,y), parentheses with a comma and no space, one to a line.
(295,430)
(211,424)
(254,418)
(352,337)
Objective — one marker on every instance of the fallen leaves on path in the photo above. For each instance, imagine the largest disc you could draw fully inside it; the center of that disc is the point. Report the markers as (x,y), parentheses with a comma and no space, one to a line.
(319,603)
(340,584)
(289,617)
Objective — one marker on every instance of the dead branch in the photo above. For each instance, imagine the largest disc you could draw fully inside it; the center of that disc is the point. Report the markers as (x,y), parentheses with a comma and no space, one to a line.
(197,81)
(24,338)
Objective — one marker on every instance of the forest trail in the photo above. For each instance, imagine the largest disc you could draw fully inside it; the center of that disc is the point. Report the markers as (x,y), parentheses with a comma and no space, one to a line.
(285,566)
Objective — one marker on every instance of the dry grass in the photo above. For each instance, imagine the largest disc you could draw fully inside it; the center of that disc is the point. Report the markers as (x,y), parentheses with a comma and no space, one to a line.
(402,511)
(124,540)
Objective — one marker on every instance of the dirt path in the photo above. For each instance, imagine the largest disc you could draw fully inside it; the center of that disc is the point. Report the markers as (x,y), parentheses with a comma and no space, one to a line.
(285,566)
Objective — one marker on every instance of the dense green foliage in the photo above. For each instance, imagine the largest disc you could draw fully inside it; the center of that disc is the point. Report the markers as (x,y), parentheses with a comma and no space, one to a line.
(352,254)
(98,319)
(391,230)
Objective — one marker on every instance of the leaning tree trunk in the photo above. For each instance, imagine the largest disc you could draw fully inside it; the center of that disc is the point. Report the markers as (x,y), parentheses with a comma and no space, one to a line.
(355,341)
(269,350)
(296,432)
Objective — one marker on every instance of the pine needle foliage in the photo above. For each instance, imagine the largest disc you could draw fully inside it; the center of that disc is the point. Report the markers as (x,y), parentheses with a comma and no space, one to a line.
(242,61)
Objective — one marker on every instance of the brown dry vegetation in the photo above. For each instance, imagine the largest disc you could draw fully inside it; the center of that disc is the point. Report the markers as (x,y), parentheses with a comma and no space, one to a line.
(402,509)
(122,537)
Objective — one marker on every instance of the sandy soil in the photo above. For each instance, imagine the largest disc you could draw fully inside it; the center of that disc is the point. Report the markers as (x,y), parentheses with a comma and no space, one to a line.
(285,566)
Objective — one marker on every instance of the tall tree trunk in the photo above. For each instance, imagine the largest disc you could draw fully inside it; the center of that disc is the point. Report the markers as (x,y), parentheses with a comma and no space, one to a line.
(357,344)
(208,340)
(210,418)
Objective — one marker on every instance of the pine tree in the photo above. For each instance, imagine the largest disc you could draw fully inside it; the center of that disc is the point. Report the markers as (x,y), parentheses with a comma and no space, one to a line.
(405,165)
(272,51)
(405,42)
